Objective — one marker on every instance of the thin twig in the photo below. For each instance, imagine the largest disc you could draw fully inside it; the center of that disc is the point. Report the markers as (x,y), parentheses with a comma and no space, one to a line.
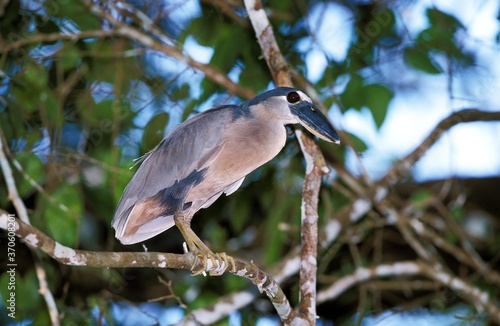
(470,293)
(155,39)
(401,168)
(6,47)
(23,215)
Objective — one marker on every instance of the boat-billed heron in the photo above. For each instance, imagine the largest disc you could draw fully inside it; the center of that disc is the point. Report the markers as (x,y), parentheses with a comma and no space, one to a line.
(206,156)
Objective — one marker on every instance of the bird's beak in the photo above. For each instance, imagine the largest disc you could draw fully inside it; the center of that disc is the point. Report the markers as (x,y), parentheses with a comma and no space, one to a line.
(315,121)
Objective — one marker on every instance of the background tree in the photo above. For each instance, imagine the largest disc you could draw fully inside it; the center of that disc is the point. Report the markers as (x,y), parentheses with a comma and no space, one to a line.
(89,86)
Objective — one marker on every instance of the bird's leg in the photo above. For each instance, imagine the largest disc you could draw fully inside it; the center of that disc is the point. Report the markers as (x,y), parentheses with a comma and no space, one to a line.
(194,243)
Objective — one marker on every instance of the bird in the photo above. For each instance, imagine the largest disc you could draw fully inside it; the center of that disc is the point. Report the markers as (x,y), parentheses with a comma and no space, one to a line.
(208,155)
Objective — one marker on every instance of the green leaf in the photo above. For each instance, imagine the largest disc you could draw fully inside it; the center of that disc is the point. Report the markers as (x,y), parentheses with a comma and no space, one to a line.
(442,20)
(26,99)
(351,97)
(254,75)
(122,179)
(377,98)
(35,75)
(61,223)
(420,197)
(33,167)
(109,65)
(28,300)
(93,113)
(198,29)
(281,206)
(179,92)
(46,26)
(33,137)
(226,53)
(12,120)
(75,11)
(240,212)
(69,56)
(50,103)
(358,144)
(420,60)
(28,85)
(154,131)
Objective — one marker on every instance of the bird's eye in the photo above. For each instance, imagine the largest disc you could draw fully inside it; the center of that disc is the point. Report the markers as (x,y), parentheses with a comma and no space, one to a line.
(293,97)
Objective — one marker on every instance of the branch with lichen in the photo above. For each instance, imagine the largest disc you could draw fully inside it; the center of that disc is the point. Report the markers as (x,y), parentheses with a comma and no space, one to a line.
(34,238)
(316,166)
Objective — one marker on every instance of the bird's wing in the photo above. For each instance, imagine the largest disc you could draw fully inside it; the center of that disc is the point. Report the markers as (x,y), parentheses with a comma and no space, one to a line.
(167,173)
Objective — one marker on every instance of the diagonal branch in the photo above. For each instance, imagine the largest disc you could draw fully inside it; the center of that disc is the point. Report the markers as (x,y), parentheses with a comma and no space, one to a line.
(151,38)
(279,68)
(479,298)
(402,167)
(155,39)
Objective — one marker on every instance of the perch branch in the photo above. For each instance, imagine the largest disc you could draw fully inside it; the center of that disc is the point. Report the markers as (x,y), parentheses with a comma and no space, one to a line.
(237,300)
(68,256)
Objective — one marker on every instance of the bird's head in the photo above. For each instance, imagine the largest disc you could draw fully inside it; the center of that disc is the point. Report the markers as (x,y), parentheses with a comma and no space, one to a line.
(297,107)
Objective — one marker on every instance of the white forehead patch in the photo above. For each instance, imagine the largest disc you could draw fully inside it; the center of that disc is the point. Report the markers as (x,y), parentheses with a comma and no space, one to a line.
(304,97)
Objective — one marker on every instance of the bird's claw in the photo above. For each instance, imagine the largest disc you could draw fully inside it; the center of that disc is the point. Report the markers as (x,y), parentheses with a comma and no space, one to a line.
(214,264)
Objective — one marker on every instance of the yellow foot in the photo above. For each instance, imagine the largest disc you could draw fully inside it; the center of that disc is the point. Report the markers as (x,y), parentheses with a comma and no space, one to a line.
(215,264)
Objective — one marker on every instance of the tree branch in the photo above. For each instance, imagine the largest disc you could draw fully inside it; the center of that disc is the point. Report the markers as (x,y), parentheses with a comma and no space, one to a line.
(363,274)
(278,67)
(153,38)
(470,293)
(6,47)
(309,227)
(188,261)
(23,214)
(402,167)
(280,71)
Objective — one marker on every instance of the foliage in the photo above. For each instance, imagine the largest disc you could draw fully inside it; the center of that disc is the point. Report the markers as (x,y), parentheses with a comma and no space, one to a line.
(75,112)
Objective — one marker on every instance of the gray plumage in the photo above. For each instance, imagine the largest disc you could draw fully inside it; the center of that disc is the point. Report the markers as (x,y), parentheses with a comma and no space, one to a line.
(208,155)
